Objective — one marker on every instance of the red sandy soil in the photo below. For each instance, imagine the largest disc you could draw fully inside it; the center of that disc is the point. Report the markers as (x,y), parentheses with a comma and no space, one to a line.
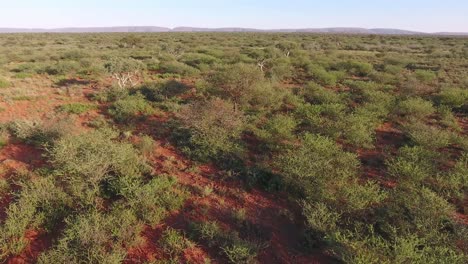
(19,156)
(388,140)
(277,220)
(16,156)
(43,105)
(39,241)
(265,211)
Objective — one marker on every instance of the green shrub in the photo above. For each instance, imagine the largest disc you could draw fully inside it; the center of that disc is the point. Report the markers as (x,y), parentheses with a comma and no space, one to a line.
(277,131)
(428,136)
(215,127)
(415,107)
(41,133)
(320,75)
(448,119)
(176,67)
(4,137)
(236,81)
(316,94)
(412,165)
(93,159)
(130,108)
(40,204)
(234,248)
(425,76)
(393,69)
(208,231)
(453,97)
(76,108)
(154,200)
(198,59)
(4,83)
(146,145)
(360,129)
(453,184)
(317,166)
(22,75)
(124,70)
(266,97)
(325,119)
(173,242)
(320,218)
(130,41)
(280,70)
(74,55)
(4,186)
(160,92)
(99,122)
(357,68)
(110,95)
(88,238)
(239,253)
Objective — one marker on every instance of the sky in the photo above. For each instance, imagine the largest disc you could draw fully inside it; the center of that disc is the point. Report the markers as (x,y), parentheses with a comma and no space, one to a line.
(419,15)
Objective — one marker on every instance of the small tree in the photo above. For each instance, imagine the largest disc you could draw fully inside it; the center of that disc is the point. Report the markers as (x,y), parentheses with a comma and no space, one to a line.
(215,127)
(286,47)
(124,71)
(237,81)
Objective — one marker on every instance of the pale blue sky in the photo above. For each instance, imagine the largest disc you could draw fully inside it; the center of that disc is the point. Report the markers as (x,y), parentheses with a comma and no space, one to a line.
(422,15)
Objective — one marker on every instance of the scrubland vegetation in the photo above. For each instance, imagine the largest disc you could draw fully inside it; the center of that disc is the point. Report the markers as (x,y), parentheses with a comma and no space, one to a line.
(233,148)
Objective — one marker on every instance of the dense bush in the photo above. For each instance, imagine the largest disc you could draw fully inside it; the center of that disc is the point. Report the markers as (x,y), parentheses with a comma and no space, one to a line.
(159,92)
(178,68)
(215,127)
(453,97)
(299,114)
(427,136)
(360,129)
(322,171)
(40,203)
(124,71)
(413,164)
(415,107)
(152,201)
(90,238)
(235,82)
(41,133)
(92,160)
(320,75)
(277,131)
(316,94)
(130,108)
(357,68)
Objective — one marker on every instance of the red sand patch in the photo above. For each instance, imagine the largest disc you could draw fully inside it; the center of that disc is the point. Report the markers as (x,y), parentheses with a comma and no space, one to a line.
(38,243)
(20,155)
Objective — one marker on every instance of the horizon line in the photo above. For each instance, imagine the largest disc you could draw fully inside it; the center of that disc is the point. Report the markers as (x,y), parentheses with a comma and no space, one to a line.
(298,30)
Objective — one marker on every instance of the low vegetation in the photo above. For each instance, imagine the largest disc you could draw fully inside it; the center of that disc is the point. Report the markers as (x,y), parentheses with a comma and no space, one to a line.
(233,148)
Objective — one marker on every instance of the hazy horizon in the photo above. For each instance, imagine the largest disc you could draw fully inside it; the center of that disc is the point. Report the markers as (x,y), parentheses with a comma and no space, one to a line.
(423,16)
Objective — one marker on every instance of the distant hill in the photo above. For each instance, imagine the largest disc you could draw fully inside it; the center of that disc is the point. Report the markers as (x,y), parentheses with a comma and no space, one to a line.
(85,30)
(334,30)
(452,33)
